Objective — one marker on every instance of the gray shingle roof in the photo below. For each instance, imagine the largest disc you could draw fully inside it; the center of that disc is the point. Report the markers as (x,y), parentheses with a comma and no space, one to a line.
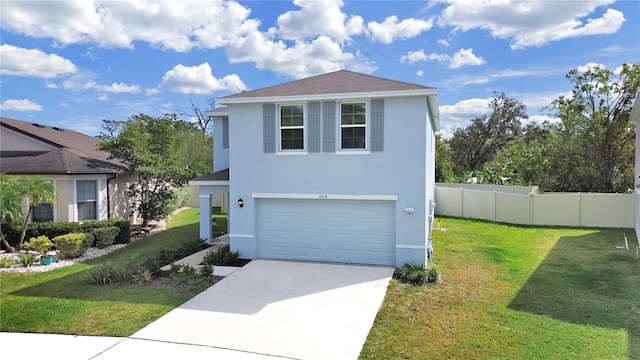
(75,152)
(339,82)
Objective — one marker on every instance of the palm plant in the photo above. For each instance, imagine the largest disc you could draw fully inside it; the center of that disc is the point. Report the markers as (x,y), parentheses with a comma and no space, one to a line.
(38,190)
(10,205)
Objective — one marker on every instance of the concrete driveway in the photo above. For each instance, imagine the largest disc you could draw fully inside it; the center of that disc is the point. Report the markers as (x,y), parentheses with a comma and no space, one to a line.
(267,310)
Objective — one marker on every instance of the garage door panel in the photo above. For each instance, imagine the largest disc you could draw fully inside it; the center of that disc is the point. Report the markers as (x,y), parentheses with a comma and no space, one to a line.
(327,230)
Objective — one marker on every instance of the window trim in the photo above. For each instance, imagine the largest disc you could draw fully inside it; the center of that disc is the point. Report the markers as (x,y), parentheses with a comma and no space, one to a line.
(279,128)
(367,133)
(96,201)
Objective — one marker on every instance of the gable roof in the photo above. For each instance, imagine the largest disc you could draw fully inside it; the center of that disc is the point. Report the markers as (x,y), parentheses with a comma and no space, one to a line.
(75,152)
(343,84)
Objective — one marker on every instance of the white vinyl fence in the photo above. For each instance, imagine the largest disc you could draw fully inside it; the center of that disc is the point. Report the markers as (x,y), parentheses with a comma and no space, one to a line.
(518,206)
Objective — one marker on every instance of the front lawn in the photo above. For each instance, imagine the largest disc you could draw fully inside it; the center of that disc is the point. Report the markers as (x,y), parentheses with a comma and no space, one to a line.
(511,292)
(63,301)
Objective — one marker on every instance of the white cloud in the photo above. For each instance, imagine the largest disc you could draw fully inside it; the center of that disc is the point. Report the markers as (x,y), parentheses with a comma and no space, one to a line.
(20,105)
(541,119)
(33,62)
(465,57)
(300,60)
(103,97)
(175,25)
(413,56)
(50,85)
(318,18)
(81,83)
(152,91)
(460,114)
(459,59)
(468,79)
(532,23)
(199,80)
(443,42)
(390,29)
(419,72)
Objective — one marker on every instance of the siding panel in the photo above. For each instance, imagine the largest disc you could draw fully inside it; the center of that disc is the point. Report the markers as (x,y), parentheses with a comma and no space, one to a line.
(269,127)
(314,127)
(377,125)
(329,126)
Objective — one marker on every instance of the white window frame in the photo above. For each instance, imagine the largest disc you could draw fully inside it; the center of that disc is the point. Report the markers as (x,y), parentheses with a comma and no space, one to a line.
(349,151)
(96,201)
(279,128)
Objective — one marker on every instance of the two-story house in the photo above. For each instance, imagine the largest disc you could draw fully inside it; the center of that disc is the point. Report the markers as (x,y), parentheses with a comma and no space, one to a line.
(337,167)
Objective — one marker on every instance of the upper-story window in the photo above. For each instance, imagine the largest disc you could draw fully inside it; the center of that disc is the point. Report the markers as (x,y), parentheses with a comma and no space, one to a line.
(291,127)
(353,126)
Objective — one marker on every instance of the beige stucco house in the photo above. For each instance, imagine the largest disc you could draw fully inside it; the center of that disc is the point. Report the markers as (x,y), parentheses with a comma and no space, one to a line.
(88,184)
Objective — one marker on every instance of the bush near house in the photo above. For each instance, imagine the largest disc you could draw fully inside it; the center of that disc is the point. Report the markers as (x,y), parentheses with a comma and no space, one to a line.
(70,245)
(105,236)
(53,229)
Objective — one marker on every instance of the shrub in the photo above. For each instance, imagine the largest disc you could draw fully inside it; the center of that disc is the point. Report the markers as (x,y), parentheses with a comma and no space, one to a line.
(56,228)
(27,259)
(416,274)
(222,256)
(205,270)
(105,236)
(87,242)
(70,245)
(100,274)
(40,244)
(125,272)
(6,261)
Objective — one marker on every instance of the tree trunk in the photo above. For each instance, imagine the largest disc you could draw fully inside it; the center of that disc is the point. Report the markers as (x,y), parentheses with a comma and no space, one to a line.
(5,244)
(24,227)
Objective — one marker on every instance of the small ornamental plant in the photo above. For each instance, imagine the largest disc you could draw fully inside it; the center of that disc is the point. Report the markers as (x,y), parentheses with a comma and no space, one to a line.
(40,244)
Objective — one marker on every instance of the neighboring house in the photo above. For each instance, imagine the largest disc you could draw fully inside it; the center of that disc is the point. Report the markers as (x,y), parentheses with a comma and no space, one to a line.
(337,167)
(635,118)
(89,185)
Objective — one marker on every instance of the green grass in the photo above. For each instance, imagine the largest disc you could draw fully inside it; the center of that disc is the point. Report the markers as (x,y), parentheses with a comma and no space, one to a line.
(511,292)
(63,301)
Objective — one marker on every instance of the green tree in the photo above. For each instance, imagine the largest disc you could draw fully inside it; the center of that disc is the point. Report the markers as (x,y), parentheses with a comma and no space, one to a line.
(10,205)
(444,163)
(38,190)
(194,148)
(147,146)
(478,144)
(594,143)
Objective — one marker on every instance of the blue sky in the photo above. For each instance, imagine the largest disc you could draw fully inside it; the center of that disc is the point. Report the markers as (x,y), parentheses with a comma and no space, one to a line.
(73,63)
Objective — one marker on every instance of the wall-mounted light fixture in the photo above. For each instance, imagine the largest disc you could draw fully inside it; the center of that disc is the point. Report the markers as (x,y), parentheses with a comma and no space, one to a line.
(240,202)
(410,210)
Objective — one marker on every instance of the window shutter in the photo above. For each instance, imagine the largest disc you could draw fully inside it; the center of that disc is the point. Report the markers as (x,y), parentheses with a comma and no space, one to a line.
(269,128)
(377,125)
(225,132)
(313,117)
(329,126)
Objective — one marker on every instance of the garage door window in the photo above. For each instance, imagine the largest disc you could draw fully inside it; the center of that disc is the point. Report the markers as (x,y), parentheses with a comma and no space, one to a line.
(292,127)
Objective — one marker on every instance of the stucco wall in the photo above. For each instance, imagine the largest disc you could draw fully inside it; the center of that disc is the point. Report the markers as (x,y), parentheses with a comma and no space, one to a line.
(405,169)
(220,154)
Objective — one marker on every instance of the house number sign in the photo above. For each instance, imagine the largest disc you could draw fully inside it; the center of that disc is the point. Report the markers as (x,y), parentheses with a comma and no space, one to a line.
(323,196)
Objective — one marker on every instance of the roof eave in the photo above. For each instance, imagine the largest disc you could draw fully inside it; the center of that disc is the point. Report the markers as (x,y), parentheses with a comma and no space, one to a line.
(334,96)
(432,100)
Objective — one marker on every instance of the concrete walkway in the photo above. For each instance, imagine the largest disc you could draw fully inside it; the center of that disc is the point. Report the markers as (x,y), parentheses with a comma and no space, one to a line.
(196,259)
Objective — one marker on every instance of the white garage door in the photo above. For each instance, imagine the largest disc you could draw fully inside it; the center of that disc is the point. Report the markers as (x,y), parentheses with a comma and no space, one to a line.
(348,231)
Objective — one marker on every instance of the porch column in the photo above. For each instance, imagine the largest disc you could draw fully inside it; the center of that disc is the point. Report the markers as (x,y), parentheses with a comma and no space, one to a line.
(205,217)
